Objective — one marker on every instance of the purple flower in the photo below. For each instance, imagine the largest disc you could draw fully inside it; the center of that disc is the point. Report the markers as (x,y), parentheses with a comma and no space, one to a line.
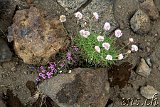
(40,74)
(69,56)
(42,69)
(50,76)
(43,76)
(48,73)
(52,67)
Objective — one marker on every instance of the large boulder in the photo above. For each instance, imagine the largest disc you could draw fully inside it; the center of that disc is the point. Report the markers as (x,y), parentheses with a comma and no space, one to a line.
(140,22)
(7,8)
(149,7)
(157,3)
(36,37)
(84,87)
(5,53)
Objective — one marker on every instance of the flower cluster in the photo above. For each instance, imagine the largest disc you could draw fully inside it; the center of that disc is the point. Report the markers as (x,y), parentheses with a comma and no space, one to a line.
(99,48)
(46,72)
(53,68)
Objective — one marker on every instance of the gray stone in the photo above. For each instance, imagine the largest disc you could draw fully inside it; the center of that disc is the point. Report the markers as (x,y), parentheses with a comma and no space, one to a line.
(124,10)
(157,3)
(148,61)
(36,38)
(5,53)
(156,54)
(140,22)
(71,5)
(149,7)
(143,69)
(148,92)
(104,8)
(83,87)
(7,8)
(51,6)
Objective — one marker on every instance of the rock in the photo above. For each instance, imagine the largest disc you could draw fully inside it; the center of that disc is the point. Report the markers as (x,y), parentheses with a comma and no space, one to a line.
(156,54)
(105,14)
(124,10)
(36,38)
(5,53)
(51,6)
(148,61)
(148,92)
(141,1)
(83,87)
(140,22)
(157,3)
(143,69)
(71,5)
(149,7)
(7,8)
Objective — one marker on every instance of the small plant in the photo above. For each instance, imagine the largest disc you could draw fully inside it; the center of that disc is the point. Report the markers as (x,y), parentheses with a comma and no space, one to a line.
(66,59)
(97,47)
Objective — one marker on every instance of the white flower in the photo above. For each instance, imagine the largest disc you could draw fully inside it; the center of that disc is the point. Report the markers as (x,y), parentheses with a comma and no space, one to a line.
(134,48)
(62,18)
(84,33)
(100,38)
(120,56)
(118,33)
(129,51)
(97,48)
(96,16)
(78,15)
(69,71)
(131,40)
(106,46)
(107,26)
(108,57)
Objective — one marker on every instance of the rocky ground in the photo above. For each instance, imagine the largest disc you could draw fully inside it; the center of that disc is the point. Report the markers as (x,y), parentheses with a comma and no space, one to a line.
(130,82)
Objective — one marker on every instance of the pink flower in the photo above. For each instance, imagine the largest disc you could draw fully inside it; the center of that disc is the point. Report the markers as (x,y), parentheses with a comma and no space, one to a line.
(84,33)
(134,48)
(107,26)
(108,57)
(78,15)
(97,48)
(100,38)
(118,33)
(106,46)
(96,16)
(120,56)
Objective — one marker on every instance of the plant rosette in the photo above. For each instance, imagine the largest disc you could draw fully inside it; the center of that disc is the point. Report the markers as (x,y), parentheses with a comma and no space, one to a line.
(99,48)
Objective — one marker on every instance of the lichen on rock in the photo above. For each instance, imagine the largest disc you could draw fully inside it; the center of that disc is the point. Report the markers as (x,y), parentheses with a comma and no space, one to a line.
(36,37)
